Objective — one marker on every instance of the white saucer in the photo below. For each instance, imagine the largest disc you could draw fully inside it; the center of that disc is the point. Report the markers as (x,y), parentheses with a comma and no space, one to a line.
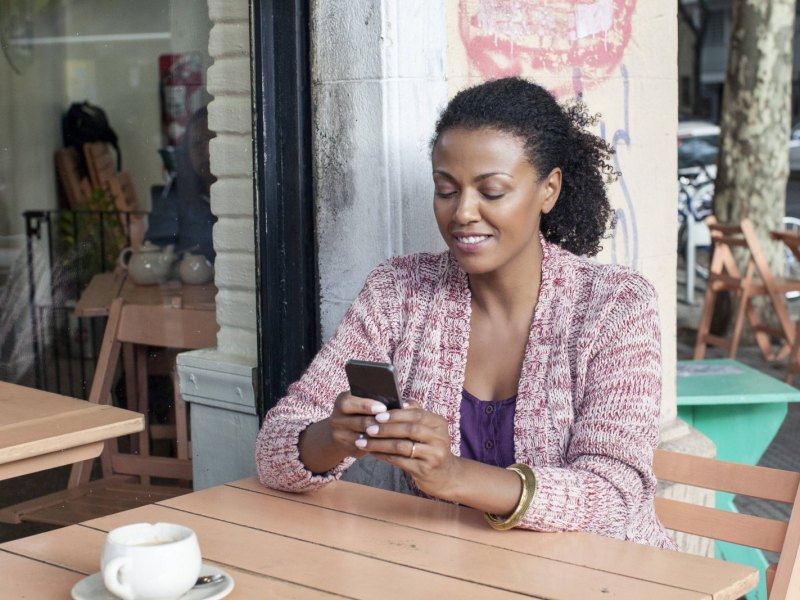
(93,588)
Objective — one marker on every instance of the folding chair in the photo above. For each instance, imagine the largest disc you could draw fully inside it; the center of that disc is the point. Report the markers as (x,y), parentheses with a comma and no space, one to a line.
(791,239)
(783,577)
(125,481)
(163,326)
(757,281)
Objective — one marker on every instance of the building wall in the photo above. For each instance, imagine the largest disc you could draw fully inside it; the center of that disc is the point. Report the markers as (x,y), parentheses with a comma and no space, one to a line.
(30,129)
(378,83)
(230,116)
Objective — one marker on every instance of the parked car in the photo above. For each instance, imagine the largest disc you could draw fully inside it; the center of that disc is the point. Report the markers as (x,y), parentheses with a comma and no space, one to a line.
(698,146)
(794,149)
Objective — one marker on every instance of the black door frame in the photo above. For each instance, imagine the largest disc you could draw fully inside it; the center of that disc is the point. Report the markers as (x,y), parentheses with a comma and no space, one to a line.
(286,265)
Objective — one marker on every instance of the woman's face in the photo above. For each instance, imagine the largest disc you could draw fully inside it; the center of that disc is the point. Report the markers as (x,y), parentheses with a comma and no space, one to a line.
(489,200)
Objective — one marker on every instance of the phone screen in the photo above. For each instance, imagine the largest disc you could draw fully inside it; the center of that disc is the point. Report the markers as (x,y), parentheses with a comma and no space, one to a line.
(373,380)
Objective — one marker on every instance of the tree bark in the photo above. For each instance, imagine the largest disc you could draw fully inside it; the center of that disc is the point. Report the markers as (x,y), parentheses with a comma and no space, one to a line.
(753,162)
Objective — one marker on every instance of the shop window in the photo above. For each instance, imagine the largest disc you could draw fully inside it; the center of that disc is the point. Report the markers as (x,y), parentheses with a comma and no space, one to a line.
(133,164)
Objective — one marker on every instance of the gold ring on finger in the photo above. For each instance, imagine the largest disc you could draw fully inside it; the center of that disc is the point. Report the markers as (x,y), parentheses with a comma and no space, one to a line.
(413,449)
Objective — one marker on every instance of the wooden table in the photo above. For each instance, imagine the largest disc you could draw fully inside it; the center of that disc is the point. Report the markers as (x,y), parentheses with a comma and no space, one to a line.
(105,287)
(741,410)
(40,430)
(358,542)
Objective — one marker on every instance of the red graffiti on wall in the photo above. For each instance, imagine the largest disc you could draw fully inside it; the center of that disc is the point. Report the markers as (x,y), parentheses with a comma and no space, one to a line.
(523,37)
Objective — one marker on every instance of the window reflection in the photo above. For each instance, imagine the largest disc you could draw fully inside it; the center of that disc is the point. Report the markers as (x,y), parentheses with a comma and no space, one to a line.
(67,207)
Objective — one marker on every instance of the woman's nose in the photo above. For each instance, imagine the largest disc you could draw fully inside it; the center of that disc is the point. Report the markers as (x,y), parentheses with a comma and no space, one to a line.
(468,209)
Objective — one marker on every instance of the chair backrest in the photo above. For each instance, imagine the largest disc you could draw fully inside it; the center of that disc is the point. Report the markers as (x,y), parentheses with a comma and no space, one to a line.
(152,325)
(791,239)
(748,530)
(167,326)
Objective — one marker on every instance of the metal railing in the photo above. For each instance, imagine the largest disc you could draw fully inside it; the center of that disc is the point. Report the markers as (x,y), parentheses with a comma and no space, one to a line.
(65,249)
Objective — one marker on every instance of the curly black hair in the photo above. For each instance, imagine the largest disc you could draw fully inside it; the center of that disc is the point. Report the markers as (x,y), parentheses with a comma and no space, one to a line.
(554,136)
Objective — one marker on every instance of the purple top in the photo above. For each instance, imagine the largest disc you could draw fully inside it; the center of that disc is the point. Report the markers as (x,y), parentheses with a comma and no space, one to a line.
(487,429)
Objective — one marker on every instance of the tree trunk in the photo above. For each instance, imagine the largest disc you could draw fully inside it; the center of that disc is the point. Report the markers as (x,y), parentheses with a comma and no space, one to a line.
(753,163)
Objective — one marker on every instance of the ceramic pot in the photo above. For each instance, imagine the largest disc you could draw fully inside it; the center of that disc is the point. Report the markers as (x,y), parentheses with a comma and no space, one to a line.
(149,265)
(196,269)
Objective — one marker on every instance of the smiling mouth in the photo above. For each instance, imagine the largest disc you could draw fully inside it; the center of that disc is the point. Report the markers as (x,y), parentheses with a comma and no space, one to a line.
(472,239)
(470,243)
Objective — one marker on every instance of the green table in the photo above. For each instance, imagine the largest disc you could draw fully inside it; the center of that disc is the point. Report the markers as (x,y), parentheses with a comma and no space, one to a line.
(741,410)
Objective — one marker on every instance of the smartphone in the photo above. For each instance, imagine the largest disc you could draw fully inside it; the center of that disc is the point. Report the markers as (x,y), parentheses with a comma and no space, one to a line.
(373,380)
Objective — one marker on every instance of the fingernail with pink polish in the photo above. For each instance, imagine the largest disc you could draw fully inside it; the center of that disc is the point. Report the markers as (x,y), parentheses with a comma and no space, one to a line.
(373,430)
(361,443)
(382,417)
(378,408)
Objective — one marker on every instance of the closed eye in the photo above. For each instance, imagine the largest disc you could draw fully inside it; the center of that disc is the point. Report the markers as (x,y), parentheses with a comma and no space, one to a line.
(492,196)
(445,194)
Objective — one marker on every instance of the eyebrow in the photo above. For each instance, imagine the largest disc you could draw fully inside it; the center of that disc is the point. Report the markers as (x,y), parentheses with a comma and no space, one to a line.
(478,178)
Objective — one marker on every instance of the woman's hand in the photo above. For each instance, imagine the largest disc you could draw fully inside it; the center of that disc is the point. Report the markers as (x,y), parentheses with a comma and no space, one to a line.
(324,444)
(418,442)
(350,417)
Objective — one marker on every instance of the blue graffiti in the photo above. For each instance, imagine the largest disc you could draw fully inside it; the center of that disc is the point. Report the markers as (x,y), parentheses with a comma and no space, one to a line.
(626,232)
(630,244)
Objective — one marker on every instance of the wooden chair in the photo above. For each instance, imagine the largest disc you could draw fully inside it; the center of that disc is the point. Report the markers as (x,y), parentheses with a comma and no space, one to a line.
(125,481)
(783,578)
(757,281)
(149,325)
(791,239)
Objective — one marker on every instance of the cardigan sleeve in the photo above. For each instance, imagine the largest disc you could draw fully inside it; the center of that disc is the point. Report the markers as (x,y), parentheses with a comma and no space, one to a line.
(368,331)
(606,484)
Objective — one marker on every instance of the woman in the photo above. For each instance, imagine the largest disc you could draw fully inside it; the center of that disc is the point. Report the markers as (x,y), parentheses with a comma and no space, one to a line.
(533,375)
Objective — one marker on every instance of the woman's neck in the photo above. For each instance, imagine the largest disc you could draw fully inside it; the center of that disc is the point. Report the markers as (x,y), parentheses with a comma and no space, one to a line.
(510,291)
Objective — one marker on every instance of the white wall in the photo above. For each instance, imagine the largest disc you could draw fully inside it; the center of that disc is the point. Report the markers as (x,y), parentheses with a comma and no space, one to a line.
(378,83)
(30,129)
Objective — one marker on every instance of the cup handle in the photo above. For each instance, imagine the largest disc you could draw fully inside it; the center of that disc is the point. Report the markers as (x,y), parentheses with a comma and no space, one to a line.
(113,581)
(125,256)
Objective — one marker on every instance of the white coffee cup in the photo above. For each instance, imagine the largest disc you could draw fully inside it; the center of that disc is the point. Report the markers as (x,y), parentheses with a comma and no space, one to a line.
(150,561)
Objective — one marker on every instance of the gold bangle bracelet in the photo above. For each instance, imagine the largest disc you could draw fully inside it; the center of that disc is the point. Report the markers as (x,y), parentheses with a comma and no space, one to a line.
(528,478)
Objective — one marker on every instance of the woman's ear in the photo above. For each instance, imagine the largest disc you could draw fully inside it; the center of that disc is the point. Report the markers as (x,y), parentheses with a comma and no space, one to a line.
(552,190)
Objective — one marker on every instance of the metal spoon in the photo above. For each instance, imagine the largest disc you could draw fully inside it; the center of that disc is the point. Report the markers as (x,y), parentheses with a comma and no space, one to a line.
(209,579)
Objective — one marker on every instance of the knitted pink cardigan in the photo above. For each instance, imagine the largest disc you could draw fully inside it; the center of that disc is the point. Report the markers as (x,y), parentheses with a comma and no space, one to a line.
(589,393)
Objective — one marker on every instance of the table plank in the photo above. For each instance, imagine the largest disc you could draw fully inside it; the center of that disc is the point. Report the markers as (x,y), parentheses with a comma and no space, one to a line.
(40,430)
(422,548)
(56,432)
(57,548)
(313,564)
(705,575)
(103,288)
(744,386)
(98,295)
(34,580)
